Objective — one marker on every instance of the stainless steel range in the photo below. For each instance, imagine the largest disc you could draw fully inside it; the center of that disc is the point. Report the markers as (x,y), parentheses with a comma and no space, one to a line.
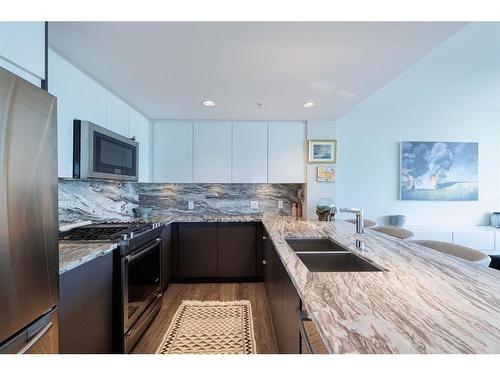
(137,274)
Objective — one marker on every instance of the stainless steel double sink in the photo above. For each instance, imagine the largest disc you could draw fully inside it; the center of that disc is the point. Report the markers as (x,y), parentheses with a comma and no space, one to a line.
(325,255)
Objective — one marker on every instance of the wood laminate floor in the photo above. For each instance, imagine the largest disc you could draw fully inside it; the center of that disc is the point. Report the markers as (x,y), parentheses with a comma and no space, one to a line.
(176,293)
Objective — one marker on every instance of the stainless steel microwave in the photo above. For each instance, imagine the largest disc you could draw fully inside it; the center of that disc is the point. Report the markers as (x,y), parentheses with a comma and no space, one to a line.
(103,154)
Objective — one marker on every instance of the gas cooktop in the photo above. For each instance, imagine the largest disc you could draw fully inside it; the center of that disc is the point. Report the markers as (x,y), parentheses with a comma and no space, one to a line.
(105,231)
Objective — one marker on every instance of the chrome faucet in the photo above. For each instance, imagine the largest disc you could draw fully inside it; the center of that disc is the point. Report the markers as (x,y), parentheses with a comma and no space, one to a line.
(360,228)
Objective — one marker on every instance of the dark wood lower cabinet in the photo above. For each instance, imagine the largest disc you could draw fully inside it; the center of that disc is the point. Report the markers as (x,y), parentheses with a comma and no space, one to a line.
(216,251)
(86,307)
(283,301)
(166,255)
(236,251)
(197,250)
(267,258)
(290,336)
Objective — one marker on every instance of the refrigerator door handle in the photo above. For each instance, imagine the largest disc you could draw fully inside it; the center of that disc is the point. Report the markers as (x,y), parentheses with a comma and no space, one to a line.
(36,338)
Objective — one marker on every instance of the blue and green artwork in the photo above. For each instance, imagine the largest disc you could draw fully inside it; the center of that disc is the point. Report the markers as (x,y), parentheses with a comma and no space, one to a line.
(439,171)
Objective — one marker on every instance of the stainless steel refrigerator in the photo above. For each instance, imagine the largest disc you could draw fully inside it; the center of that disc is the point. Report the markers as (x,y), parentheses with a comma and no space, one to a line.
(29,255)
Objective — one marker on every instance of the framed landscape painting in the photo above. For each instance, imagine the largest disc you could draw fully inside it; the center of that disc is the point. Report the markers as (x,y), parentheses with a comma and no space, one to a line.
(322,151)
(439,171)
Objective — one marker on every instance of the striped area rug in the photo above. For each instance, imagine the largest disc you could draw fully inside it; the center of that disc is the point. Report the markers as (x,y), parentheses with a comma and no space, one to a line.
(210,327)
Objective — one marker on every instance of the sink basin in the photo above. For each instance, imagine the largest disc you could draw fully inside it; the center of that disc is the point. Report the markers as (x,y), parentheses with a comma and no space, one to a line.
(336,262)
(313,245)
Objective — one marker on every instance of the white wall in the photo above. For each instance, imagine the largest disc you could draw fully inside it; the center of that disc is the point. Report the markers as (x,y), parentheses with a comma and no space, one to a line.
(315,189)
(452,94)
(81,97)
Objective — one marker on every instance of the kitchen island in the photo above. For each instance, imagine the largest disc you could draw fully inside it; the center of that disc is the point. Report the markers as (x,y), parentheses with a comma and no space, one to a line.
(424,301)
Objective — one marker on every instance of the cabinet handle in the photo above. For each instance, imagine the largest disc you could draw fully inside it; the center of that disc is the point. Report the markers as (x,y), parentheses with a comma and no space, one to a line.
(131,258)
(301,318)
(264,262)
(36,338)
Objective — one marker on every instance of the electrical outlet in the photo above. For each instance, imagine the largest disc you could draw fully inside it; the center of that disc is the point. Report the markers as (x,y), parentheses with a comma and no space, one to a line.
(280,204)
(190,205)
(254,205)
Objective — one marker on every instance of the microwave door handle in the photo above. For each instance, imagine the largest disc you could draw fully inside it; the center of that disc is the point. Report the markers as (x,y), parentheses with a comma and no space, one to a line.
(131,258)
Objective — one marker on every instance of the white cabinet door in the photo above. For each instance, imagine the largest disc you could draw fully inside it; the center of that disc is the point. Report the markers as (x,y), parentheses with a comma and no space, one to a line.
(140,128)
(479,240)
(117,115)
(173,151)
(497,241)
(286,156)
(438,235)
(212,151)
(22,45)
(249,152)
(78,97)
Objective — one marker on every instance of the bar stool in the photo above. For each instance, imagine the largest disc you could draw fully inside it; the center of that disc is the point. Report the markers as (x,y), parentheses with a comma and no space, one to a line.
(459,251)
(400,233)
(366,223)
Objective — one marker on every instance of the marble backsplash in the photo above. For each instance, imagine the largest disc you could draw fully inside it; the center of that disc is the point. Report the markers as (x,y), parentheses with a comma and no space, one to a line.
(81,200)
(107,200)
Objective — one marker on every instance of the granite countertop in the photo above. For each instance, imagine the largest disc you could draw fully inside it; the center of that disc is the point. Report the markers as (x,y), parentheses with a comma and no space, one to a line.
(74,254)
(205,218)
(425,302)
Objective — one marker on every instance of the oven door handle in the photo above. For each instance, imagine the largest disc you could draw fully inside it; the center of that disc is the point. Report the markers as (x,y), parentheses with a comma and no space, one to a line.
(131,258)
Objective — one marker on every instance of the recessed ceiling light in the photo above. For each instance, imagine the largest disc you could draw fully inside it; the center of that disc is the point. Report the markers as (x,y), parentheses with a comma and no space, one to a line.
(208,103)
(309,104)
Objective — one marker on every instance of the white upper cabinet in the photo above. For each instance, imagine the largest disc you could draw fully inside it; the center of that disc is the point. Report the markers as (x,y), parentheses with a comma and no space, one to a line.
(225,152)
(173,151)
(78,97)
(117,115)
(22,49)
(286,152)
(249,152)
(212,151)
(140,128)
(479,240)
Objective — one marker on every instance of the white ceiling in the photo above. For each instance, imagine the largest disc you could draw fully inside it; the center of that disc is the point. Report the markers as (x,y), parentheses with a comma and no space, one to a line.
(166,69)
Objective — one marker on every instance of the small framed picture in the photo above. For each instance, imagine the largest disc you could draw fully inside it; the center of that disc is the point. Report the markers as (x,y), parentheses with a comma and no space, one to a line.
(326,174)
(322,151)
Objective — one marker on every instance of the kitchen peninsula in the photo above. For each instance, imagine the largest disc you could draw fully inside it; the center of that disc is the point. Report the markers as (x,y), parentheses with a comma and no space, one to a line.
(423,302)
